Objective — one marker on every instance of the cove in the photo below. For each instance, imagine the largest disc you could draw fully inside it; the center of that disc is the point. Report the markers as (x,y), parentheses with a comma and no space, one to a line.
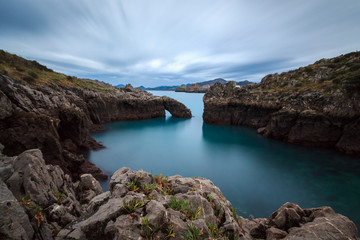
(256,174)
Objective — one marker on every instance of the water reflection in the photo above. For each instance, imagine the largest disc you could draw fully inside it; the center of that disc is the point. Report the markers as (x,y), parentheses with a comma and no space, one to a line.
(283,172)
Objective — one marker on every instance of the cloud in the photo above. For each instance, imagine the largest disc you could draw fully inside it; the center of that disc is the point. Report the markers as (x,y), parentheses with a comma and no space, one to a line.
(172,42)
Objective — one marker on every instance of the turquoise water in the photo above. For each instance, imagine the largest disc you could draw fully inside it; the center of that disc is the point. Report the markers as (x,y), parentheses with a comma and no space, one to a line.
(256,174)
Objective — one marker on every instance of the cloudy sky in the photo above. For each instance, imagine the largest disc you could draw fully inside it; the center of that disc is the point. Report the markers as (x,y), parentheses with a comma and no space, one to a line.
(169,42)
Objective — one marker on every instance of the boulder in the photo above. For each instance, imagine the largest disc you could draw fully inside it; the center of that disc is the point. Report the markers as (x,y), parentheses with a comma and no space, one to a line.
(88,188)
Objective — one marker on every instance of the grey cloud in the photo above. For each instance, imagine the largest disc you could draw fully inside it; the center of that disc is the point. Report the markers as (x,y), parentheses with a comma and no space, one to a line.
(162,42)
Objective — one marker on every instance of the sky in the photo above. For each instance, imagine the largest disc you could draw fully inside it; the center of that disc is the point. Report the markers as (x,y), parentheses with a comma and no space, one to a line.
(172,42)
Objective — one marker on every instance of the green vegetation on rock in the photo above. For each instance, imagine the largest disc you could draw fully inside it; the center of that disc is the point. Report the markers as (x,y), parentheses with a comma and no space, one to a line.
(33,73)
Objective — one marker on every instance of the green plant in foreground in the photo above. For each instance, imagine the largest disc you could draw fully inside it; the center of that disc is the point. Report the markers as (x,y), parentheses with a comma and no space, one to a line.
(185,207)
(213,230)
(34,209)
(132,185)
(148,188)
(218,211)
(148,230)
(163,185)
(209,197)
(193,233)
(237,219)
(60,196)
(132,205)
(170,232)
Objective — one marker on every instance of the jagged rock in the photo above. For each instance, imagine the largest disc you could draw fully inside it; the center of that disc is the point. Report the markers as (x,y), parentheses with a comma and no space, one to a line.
(292,222)
(46,190)
(275,233)
(139,206)
(57,118)
(97,201)
(288,216)
(6,109)
(333,226)
(109,217)
(14,223)
(318,105)
(6,165)
(88,187)
(114,221)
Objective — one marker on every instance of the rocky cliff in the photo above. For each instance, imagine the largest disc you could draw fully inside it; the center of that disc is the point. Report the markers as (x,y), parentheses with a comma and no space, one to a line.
(43,109)
(317,105)
(39,201)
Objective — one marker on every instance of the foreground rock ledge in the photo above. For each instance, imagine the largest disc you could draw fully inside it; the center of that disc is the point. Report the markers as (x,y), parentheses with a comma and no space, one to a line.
(39,201)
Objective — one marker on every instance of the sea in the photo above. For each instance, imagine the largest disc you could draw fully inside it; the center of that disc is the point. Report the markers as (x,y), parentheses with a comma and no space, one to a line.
(256,174)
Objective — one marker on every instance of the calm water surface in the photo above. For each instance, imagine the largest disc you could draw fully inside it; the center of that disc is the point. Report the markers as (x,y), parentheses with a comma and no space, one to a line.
(257,175)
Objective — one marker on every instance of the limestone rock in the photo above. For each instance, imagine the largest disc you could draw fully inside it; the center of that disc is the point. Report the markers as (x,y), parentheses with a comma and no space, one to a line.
(14,223)
(177,109)
(57,119)
(110,217)
(47,190)
(88,187)
(115,221)
(314,106)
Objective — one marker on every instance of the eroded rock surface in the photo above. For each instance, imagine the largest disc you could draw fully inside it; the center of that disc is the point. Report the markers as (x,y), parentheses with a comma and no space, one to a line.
(38,200)
(318,105)
(110,216)
(57,119)
(177,109)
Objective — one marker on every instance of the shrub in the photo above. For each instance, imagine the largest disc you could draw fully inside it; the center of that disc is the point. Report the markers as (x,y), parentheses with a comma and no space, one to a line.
(185,207)
(132,185)
(19,69)
(148,188)
(33,208)
(237,219)
(59,195)
(213,230)
(163,185)
(33,74)
(148,230)
(193,233)
(132,205)
(309,69)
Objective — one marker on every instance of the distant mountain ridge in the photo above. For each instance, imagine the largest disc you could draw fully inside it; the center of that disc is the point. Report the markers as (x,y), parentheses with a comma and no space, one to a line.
(190,87)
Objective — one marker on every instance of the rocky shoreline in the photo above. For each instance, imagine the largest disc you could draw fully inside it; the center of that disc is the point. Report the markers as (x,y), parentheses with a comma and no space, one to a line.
(318,105)
(57,118)
(40,201)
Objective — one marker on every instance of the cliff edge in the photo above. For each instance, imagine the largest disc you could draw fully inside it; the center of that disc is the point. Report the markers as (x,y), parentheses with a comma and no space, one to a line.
(317,105)
(40,108)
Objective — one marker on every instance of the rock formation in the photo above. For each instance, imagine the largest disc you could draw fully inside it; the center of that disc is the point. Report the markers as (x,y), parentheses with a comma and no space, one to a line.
(177,109)
(57,113)
(39,201)
(318,105)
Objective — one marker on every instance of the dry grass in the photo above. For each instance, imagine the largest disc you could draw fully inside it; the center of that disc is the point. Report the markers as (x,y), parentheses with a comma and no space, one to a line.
(32,73)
